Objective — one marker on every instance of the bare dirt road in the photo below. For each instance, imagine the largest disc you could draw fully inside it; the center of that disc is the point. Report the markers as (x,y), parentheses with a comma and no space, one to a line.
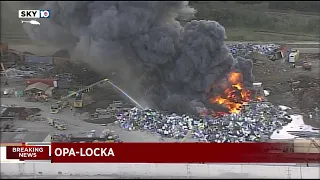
(75,124)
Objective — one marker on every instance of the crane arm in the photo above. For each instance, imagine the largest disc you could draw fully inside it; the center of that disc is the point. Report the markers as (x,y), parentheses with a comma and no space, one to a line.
(82,89)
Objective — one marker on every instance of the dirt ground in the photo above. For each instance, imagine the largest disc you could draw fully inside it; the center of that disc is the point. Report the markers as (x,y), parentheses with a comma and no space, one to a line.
(293,87)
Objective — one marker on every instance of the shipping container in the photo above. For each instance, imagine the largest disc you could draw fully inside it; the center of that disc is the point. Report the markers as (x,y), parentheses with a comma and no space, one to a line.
(38,59)
(19,93)
(58,61)
(49,82)
(63,84)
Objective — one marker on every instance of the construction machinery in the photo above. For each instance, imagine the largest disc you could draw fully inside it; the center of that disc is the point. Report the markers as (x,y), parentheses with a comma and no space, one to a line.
(50,121)
(277,55)
(78,101)
(109,136)
(101,111)
(60,125)
(39,96)
(57,106)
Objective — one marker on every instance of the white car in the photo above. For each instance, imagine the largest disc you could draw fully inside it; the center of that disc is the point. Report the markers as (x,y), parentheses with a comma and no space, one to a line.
(6,92)
(101,111)
(271,45)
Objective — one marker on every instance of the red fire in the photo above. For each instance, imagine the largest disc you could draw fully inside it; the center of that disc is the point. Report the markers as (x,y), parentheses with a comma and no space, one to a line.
(235,95)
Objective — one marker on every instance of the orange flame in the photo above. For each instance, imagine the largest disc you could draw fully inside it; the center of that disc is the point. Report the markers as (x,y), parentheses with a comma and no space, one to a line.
(235,95)
(235,77)
(218,113)
(260,98)
(237,86)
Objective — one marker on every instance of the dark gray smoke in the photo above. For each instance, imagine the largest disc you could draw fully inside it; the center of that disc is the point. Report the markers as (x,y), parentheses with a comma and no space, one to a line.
(152,56)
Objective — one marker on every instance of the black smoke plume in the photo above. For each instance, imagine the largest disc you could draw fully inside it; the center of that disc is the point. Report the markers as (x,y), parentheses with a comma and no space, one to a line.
(151,55)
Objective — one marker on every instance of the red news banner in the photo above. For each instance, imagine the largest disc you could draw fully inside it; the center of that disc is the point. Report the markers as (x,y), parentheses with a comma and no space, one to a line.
(167,153)
(28,152)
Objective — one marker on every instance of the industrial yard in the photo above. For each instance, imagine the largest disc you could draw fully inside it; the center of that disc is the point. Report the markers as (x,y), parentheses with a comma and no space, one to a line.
(36,78)
(154,72)
(94,117)
(21,92)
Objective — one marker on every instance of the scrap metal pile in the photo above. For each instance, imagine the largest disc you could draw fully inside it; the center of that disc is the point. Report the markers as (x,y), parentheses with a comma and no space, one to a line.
(12,72)
(255,122)
(243,50)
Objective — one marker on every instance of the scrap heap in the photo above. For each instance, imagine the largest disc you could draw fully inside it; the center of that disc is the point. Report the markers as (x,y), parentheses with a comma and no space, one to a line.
(264,51)
(248,118)
(254,122)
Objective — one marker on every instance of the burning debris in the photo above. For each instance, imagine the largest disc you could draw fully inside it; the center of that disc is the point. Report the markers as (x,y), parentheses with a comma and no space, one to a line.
(145,44)
(234,95)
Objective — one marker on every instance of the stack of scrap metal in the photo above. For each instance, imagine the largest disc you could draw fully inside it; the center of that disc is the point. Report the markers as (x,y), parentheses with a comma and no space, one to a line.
(256,121)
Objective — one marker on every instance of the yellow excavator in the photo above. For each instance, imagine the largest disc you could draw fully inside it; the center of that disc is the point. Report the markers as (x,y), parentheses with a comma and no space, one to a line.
(78,101)
(59,105)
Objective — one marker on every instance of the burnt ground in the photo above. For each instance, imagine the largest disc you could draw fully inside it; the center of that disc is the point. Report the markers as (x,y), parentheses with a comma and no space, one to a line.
(293,87)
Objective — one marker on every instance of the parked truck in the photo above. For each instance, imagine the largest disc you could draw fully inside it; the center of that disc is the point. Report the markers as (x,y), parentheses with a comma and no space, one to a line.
(60,125)
(55,108)
(50,121)
(294,56)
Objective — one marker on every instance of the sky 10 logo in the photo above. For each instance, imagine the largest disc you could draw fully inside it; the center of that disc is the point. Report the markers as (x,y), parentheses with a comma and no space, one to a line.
(32,14)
